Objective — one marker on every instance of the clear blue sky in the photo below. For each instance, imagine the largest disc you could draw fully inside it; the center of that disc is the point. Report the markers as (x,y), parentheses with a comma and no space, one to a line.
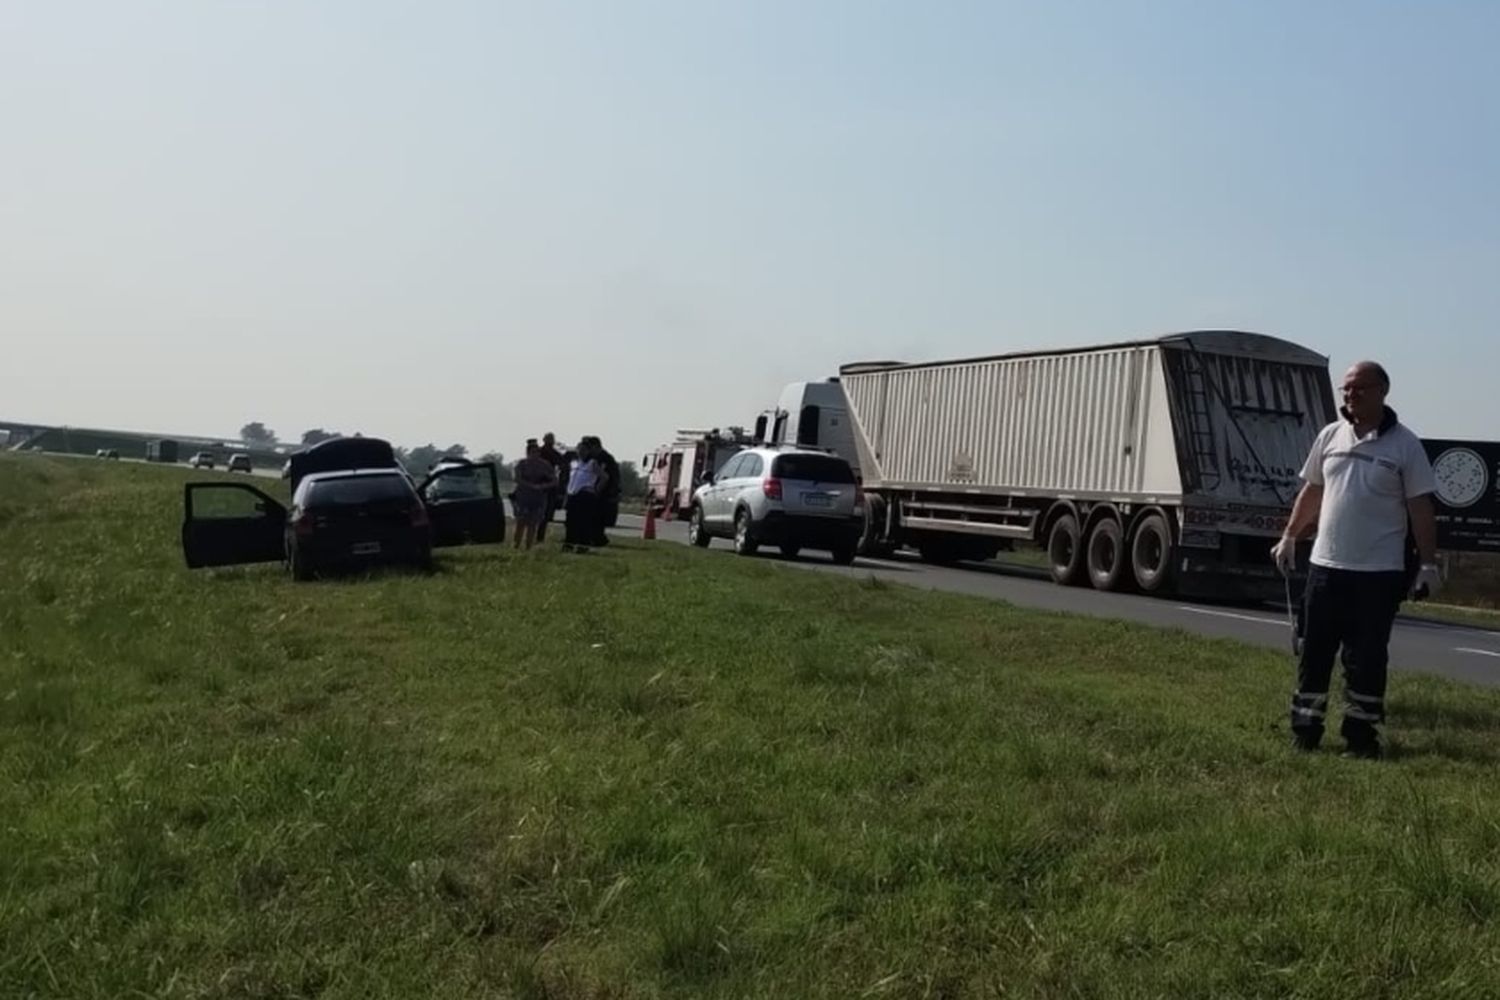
(477,221)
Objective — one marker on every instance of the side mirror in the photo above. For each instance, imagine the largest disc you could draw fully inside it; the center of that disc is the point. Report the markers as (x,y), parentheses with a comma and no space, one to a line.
(708,479)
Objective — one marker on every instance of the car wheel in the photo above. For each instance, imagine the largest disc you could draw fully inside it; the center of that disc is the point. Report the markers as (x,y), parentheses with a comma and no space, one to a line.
(790,551)
(697,531)
(744,535)
(298,565)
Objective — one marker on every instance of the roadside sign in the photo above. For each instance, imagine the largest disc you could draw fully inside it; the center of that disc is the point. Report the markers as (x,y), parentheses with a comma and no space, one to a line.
(1468,493)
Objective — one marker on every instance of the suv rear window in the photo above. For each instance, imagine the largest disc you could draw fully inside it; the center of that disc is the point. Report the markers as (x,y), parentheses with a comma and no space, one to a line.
(357,490)
(812,468)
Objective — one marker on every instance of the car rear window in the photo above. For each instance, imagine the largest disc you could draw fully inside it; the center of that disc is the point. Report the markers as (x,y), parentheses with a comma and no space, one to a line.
(812,468)
(356,490)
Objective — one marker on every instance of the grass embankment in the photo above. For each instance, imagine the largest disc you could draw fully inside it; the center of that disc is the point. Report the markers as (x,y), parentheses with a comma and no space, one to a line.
(662,772)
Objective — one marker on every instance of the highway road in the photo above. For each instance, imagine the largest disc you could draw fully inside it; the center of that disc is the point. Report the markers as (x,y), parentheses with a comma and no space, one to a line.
(1452,651)
(264,471)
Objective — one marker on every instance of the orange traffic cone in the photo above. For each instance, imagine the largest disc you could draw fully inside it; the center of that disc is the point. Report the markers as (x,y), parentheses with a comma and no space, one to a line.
(649,531)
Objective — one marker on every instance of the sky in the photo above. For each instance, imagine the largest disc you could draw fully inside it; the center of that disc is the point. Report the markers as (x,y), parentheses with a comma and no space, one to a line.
(475,222)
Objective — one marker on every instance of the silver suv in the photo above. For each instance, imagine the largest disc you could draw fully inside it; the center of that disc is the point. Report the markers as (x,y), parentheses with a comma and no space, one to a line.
(793,498)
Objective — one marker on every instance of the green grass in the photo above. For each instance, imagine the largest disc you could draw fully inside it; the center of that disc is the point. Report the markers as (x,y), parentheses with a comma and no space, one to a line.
(1457,614)
(655,771)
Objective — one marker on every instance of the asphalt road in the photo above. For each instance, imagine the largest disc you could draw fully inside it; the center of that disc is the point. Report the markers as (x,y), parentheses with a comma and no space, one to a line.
(264,471)
(1451,651)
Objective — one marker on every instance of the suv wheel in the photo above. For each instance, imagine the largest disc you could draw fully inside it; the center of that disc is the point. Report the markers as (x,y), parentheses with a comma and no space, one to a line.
(843,555)
(697,532)
(744,535)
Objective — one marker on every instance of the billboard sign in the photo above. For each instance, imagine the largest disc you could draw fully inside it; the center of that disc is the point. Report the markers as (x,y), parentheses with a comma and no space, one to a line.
(1467,501)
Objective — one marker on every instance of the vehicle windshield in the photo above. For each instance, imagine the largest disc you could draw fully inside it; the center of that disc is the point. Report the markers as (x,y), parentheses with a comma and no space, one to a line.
(351,490)
(812,468)
(458,482)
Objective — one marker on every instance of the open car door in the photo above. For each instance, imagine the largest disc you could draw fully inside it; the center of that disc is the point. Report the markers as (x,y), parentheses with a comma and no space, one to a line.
(464,504)
(227,524)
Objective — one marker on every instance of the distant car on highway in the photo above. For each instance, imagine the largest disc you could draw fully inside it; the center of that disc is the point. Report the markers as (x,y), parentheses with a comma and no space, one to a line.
(792,498)
(339,519)
(201,460)
(107,453)
(238,462)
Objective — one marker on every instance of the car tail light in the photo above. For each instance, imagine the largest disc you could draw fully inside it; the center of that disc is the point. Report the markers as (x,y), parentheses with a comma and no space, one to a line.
(419,516)
(302,525)
(771,488)
(859,495)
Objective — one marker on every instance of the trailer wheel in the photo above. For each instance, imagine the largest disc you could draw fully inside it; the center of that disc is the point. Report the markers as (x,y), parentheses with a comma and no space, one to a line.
(1152,554)
(1065,552)
(1108,561)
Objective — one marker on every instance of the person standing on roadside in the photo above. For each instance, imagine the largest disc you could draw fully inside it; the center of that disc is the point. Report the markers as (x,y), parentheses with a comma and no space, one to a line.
(1367,488)
(549,454)
(582,506)
(609,490)
(536,481)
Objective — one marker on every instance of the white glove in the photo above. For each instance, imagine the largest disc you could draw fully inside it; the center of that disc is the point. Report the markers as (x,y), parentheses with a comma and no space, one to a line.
(1284,554)
(1428,582)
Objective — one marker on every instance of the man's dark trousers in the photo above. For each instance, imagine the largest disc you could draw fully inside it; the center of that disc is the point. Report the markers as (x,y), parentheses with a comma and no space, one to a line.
(1352,611)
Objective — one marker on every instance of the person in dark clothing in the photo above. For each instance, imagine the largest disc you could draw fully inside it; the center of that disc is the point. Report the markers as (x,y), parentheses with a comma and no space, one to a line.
(1367,489)
(609,493)
(554,498)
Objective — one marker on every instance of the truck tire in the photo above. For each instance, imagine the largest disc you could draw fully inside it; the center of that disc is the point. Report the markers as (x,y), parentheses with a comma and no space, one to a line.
(1065,552)
(938,551)
(1152,554)
(871,540)
(1108,559)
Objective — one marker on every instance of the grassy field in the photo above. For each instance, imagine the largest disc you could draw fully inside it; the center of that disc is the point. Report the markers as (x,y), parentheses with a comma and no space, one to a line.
(659,772)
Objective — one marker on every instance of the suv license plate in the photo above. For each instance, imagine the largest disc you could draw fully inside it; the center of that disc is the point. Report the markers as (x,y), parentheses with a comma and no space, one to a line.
(817,500)
(365,548)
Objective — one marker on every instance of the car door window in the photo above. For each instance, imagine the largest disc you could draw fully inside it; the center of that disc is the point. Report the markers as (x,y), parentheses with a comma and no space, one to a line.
(731,469)
(226,504)
(752,468)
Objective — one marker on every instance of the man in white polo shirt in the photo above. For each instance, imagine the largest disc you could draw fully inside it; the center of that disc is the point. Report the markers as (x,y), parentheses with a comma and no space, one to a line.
(1367,483)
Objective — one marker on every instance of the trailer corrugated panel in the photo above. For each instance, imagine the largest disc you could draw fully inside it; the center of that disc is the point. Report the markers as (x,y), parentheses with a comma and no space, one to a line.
(1055,423)
(1223,414)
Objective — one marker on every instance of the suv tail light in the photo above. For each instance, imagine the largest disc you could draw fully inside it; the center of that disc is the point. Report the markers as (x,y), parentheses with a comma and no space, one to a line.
(302,524)
(859,495)
(771,488)
(419,516)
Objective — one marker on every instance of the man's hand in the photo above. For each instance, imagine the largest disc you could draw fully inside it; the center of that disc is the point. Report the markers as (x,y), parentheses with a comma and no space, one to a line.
(1284,554)
(1428,582)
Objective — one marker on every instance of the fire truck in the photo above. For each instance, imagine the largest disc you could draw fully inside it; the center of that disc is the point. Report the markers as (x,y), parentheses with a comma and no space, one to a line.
(677,468)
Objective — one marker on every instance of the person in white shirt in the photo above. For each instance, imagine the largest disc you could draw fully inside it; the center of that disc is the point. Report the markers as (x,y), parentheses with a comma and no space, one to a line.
(584,483)
(1367,489)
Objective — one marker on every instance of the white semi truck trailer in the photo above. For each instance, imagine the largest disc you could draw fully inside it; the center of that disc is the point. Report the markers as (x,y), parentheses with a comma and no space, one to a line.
(1166,465)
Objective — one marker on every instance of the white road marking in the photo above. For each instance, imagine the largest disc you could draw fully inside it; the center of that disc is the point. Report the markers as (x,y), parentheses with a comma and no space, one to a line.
(1231,614)
(1480,652)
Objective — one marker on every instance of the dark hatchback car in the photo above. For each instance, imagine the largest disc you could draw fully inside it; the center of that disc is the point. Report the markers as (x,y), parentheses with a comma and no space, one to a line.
(340,519)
